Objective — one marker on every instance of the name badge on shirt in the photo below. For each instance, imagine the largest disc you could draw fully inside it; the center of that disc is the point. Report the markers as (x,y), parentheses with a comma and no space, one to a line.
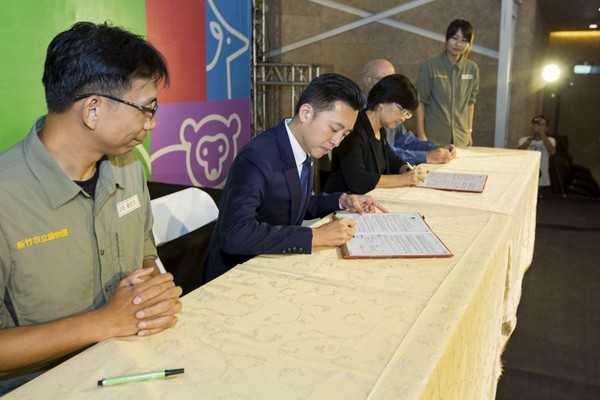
(128,205)
(467,76)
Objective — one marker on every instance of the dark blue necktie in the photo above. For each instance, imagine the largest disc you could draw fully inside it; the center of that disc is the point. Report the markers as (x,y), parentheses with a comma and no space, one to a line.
(304,175)
(304,179)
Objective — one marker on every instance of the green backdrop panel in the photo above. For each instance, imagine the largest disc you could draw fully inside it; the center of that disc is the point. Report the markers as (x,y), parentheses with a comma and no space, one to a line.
(26,28)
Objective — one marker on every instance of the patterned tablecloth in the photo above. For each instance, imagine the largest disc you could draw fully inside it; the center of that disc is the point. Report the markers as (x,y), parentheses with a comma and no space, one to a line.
(320,327)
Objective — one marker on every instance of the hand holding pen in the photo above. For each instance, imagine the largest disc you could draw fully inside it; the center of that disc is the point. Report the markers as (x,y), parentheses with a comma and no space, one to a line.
(414,175)
(334,233)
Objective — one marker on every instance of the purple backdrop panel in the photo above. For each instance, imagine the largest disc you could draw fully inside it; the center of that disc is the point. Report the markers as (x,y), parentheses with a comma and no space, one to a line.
(195,143)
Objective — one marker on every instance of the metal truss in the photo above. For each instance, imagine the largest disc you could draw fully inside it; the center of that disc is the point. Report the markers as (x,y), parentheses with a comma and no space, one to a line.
(273,84)
(278,84)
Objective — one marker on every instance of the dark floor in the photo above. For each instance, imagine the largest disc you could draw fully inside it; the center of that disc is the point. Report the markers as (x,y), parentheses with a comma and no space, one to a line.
(554,352)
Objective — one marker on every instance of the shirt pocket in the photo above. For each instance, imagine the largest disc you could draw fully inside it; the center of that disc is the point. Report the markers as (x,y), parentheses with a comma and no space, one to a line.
(129,234)
(44,272)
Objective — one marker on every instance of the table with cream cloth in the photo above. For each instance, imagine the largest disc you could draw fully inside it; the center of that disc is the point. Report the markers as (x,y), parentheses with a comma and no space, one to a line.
(511,190)
(320,327)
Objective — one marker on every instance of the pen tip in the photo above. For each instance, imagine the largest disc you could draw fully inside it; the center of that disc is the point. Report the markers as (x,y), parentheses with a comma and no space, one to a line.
(176,371)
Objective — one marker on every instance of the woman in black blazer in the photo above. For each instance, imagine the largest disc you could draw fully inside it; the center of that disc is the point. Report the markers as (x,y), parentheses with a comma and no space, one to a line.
(364,160)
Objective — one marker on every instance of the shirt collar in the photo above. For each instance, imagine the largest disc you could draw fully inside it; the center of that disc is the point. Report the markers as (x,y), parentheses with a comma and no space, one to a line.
(459,64)
(299,154)
(57,185)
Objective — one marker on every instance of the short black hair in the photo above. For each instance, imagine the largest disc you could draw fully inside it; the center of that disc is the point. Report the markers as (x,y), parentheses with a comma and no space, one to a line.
(464,26)
(395,88)
(536,120)
(326,89)
(98,58)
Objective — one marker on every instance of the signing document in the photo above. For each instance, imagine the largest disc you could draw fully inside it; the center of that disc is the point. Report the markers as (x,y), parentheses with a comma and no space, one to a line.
(391,235)
(454,181)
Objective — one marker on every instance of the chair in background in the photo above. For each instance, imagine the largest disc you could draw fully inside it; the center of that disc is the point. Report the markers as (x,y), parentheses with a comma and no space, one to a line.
(179,213)
(560,166)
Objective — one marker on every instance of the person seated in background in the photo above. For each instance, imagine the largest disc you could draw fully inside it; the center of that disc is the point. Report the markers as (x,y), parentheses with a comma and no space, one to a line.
(365,160)
(539,140)
(405,143)
(269,187)
(75,215)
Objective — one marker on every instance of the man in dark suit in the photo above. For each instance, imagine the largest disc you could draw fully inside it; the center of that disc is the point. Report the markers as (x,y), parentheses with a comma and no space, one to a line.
(269,188)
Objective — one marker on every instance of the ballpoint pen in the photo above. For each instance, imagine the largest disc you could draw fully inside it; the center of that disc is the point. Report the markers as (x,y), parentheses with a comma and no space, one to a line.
(142,376)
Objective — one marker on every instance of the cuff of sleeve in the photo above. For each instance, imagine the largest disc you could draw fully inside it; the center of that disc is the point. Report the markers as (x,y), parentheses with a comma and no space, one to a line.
(340,200)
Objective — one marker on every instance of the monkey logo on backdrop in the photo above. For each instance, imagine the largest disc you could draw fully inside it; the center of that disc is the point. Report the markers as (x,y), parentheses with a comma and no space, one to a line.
(198,150)
(198,135)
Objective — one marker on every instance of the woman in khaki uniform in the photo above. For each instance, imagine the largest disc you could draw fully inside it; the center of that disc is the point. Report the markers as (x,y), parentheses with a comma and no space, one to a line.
(448,85)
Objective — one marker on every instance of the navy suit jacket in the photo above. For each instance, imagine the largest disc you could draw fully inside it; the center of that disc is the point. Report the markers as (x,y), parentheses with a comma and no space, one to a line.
(259,211)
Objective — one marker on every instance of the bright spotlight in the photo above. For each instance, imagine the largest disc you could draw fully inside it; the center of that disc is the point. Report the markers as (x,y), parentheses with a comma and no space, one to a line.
(551,73)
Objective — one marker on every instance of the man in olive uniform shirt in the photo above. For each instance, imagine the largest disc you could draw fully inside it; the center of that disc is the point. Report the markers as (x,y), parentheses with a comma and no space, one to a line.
(76,250)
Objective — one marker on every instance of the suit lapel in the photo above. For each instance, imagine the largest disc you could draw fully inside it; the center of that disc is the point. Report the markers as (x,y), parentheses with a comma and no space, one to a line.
(290,171)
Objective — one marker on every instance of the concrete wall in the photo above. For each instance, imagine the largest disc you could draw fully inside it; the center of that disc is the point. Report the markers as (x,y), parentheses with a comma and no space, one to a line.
(578,95)
(531,39)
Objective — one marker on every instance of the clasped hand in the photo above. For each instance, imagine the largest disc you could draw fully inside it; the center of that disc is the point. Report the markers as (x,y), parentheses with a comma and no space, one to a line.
(143,304)
(439,155)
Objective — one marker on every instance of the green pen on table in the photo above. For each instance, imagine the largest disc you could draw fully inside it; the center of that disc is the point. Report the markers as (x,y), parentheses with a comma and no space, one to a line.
(142,376)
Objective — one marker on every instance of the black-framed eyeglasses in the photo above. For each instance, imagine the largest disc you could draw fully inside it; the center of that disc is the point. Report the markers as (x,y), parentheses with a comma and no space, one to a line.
(407,114)
(149,110)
